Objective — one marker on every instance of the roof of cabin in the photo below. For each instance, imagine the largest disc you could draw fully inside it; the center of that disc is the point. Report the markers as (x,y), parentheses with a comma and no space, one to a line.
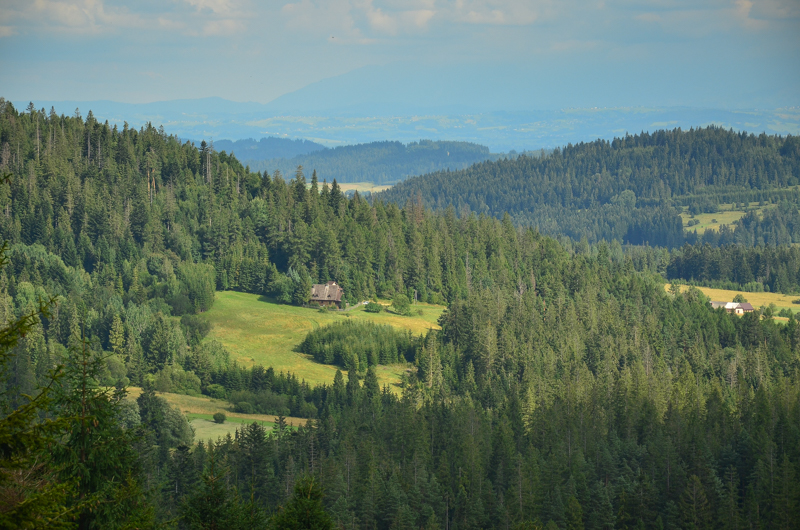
(330,292)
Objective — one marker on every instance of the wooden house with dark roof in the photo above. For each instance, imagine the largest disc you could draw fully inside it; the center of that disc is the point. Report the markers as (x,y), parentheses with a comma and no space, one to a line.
(737,308)
(327,294)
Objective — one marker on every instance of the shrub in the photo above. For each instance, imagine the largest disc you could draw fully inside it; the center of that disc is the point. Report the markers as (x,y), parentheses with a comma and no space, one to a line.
(244,407)
(174,379)
(262,402)
(219,417)
(401,305)
(216,391)
(372,307)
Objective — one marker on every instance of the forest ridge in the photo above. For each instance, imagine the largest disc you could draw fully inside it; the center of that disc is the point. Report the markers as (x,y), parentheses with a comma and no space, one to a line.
(626,189)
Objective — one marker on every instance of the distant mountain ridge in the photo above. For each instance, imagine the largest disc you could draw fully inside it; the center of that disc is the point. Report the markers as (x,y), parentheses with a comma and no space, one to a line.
(379,162)
(365,122)
(267,148)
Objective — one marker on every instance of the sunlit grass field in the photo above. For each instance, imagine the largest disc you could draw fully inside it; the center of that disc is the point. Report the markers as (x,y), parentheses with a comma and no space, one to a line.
(363,186)
(206,429)
(712,221)
(756,299)
(257,331)
(199,410)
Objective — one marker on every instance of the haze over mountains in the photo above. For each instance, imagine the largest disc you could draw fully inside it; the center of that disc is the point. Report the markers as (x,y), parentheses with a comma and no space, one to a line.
(380,103)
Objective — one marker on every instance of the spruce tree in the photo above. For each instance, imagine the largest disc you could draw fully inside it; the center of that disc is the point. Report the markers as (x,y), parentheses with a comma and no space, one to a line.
(304,511)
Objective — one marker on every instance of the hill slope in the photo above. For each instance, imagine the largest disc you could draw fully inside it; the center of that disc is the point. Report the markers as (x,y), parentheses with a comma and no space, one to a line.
(625,189)
(267,148)
(379,162)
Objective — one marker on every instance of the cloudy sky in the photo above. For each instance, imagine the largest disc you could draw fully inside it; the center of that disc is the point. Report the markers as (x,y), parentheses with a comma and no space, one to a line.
(725,53)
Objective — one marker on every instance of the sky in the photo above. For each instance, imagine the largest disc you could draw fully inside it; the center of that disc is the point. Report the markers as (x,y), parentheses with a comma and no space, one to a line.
(701,53)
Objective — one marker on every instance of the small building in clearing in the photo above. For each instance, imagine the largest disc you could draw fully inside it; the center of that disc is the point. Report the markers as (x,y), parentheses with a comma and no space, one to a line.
(327,294)
(737,308)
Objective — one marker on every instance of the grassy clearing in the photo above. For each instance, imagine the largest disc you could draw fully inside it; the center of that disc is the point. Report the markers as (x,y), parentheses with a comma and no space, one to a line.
(258,331)
(206,406)
(756,299)
(199,410)
(712,221)
(206,429)
(363,186)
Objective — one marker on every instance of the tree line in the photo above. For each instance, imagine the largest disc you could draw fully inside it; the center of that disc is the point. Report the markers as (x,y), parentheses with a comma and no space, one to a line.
(739,267)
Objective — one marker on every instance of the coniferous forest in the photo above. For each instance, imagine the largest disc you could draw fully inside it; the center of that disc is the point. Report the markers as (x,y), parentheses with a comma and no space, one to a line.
(566,388)
(628,189)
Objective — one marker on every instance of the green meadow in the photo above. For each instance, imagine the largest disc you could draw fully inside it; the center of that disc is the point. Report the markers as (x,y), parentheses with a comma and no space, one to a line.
(258,331)
(712,221)
(206,429)
(200,410)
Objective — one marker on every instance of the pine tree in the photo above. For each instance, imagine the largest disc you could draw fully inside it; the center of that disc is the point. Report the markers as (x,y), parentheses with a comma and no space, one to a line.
(97,451)
(213,506)
(574,514)
(694,505)
(304,510)
(116,337)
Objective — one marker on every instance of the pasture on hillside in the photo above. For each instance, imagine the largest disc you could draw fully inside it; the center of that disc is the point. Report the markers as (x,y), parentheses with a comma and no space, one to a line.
(199,411)
(757,300)
(258,331)
(361,187)
(712,221)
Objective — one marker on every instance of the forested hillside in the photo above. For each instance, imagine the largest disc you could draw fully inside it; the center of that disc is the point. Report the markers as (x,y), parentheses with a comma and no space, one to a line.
(626,189)
(565,389)
(380,162)
(267,148)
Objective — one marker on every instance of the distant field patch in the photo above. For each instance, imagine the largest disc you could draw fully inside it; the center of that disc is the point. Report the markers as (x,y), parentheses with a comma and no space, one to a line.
(199,410)
(206,429)
(756,299)
(711,221)
(363,186)
(257,331)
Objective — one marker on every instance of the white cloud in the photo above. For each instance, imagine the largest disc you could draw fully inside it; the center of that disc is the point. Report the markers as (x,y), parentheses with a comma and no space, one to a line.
(226,7)
(743,8)
(223,27)
(357,19)
(96,17)
(323,20)
(497,12)
(288,44)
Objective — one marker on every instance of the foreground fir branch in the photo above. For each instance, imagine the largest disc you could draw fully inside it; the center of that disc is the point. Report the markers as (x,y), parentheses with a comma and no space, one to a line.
(31,493)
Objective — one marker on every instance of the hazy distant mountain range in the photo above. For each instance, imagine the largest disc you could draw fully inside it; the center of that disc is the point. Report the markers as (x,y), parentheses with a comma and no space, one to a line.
(377,162)
(267,148)
(374,104)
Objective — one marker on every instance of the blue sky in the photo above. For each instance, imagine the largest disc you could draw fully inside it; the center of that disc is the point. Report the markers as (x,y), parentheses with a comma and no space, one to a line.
(708,53)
